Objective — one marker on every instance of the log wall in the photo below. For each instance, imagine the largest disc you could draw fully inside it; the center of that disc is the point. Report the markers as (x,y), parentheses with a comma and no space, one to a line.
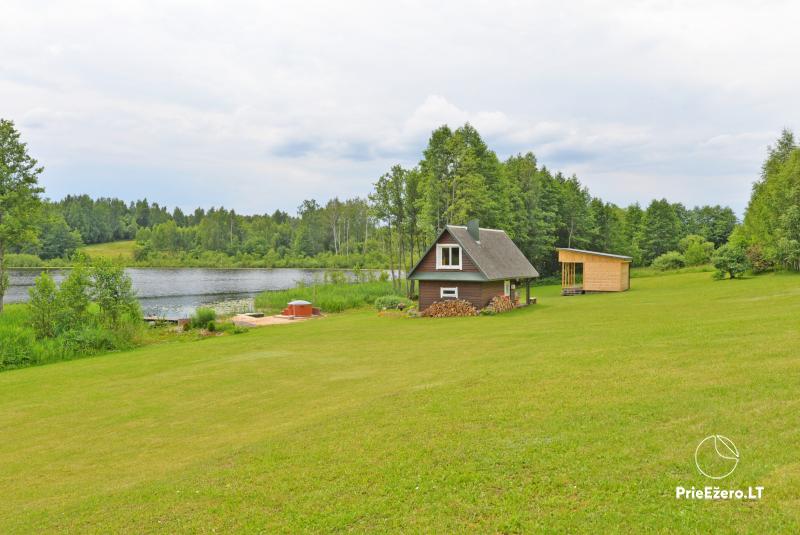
(477,293)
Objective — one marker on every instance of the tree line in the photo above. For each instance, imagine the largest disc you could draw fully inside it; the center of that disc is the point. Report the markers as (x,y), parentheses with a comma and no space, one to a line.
(458,178)
(769,237)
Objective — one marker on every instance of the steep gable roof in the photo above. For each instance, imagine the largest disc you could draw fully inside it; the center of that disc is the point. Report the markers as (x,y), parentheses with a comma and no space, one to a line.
(495,255)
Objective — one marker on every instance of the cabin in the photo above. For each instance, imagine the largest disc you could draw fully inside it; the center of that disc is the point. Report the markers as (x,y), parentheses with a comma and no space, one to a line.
(474,264)
(592,271)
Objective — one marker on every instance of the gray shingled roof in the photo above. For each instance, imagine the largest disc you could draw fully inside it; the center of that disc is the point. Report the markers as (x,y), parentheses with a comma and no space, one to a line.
(495,255)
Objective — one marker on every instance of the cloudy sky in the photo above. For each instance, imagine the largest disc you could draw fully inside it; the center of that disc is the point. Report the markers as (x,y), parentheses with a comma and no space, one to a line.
(260,105)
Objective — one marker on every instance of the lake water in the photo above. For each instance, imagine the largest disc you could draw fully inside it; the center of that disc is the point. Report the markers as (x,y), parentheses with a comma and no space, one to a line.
(176,293)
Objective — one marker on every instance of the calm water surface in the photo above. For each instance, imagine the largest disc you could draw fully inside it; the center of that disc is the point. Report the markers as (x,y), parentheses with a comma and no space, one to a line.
(175,293)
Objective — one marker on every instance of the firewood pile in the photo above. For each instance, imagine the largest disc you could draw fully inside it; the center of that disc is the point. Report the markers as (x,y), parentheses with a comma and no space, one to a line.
(450,308)
(500,303)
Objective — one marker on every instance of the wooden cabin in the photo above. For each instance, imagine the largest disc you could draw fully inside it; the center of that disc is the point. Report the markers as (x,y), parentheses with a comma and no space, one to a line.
(591,271)
(474,264)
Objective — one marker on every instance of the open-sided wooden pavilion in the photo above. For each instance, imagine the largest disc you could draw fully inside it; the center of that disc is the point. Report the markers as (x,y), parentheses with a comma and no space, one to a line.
(601,272)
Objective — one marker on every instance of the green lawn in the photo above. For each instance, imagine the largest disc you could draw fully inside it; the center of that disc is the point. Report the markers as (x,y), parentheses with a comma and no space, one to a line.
(580,414)
(114,250)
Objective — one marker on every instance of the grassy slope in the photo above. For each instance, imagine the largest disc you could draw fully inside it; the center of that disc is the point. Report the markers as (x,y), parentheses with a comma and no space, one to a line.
(578,414)
(113,250)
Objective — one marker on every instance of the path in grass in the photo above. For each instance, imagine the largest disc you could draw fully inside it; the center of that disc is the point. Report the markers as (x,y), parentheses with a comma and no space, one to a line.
(577,414)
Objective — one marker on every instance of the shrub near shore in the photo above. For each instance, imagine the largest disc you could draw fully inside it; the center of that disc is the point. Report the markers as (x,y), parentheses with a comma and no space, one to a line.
(93,311)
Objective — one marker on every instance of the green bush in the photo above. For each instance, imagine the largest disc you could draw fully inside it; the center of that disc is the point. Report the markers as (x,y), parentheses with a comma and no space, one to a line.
(93,311)
(758,260)
(392,302)
(89,340)
(211,327)
(202,316)
(731,260)
(112,290)
(21,347)
(18,347)
(670,260)
(73,301)
(335,277)
(696,250)
(44,306)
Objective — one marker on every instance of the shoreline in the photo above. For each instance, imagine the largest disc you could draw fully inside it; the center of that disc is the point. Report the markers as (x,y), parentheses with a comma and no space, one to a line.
(43,268)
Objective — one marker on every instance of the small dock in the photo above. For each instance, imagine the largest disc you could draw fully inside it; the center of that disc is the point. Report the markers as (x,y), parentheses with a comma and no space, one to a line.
(157,319)
(573,290)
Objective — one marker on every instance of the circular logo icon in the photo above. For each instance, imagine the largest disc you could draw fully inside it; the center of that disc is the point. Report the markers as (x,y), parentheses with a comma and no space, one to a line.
(716,456)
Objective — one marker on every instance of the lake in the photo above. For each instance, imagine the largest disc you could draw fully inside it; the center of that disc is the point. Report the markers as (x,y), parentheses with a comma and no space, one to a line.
(176,293)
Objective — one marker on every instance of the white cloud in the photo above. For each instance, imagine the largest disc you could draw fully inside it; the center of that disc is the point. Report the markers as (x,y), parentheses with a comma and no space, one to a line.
(317,99)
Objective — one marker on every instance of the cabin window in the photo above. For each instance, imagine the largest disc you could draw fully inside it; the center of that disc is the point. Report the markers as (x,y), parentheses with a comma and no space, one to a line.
(448,292)
(507,288)
(448,256)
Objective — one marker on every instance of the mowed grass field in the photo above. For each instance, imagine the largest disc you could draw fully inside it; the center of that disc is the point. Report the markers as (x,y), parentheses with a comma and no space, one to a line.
(115,250)
(579,414)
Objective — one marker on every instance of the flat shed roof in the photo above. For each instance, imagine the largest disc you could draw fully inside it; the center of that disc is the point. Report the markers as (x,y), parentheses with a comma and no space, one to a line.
(596,253)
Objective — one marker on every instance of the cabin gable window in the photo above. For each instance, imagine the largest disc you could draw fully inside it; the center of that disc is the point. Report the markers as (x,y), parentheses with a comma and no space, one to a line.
(451,293)
(448,256)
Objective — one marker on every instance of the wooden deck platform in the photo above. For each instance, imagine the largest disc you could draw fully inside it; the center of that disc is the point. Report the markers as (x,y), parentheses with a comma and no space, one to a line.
(573,290)
(158,319)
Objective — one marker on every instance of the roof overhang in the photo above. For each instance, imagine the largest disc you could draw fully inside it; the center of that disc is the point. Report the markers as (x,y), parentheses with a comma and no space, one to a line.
(456,276)
(596,253)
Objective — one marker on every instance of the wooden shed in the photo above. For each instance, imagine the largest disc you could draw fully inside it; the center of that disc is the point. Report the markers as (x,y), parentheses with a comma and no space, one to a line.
(592,271)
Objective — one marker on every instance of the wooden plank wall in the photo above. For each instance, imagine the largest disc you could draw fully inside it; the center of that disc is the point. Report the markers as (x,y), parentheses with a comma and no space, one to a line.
(625,278)
(600,273)
(600,276)
(428,263)
(477,293)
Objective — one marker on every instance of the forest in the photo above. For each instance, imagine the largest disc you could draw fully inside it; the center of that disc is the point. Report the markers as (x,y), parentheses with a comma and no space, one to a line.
(457,178)
(770,233)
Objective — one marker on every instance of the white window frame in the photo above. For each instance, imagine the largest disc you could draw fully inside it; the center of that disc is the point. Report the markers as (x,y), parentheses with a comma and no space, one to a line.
(440,247)
(454,293)
(507,288)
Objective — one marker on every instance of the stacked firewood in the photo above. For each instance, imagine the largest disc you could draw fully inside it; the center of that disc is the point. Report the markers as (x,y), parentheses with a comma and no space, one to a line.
(450,308)
(500,303)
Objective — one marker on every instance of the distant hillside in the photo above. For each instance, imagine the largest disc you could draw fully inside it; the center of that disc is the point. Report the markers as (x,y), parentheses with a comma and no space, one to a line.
(114,250)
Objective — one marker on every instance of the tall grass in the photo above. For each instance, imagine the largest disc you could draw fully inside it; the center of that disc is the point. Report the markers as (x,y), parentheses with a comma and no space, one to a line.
(19,346)
(23,260)
(650,271)
(328,297)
